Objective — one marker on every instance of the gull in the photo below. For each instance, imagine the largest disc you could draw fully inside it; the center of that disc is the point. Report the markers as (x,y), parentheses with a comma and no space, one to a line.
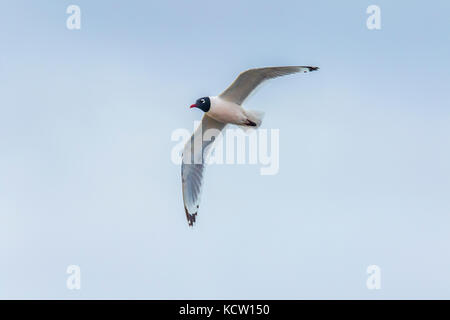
(218,112)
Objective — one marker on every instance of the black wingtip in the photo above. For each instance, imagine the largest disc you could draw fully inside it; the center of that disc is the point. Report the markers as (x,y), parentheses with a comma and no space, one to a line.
(313,68)
(190,217)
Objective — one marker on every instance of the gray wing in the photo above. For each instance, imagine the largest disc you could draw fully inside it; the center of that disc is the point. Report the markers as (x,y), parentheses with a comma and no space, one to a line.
(195,154)
(248,80)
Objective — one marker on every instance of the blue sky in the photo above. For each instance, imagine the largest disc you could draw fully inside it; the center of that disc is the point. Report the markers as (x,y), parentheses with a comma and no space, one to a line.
(86,118)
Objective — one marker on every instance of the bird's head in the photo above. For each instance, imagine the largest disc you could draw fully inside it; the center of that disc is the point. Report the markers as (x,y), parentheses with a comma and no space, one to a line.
(203,104)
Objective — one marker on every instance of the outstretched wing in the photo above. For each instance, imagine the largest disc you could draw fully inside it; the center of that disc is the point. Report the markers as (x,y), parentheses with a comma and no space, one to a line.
(248,80)
(195,154)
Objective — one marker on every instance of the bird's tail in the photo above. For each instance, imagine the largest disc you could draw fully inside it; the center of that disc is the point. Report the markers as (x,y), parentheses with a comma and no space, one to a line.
(254,119)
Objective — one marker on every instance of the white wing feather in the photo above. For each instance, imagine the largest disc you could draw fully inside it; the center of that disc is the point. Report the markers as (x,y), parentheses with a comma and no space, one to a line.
(195,154)
(248,80)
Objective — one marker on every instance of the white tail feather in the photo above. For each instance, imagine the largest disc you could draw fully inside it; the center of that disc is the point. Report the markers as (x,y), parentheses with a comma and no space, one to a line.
(255,117)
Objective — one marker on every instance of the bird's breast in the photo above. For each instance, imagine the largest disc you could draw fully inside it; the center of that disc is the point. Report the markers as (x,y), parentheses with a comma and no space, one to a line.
(226,111)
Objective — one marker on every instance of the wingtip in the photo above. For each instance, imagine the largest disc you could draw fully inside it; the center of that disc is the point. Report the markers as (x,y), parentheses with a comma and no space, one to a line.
(313,68)
(190,217)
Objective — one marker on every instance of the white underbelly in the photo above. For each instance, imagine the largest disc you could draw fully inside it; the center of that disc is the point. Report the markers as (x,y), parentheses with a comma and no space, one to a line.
(226,112)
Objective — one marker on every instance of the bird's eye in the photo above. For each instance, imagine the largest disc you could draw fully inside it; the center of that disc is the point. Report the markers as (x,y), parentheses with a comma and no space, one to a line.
(202,100)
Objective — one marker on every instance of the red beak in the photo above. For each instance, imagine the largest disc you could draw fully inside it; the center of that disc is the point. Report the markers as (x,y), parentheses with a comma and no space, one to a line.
(193,106)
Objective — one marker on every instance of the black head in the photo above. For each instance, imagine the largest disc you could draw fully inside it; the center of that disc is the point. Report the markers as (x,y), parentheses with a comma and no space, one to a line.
(203,104)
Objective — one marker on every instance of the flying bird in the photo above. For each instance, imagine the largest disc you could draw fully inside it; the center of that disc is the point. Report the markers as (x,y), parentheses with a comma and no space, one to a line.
(220,111)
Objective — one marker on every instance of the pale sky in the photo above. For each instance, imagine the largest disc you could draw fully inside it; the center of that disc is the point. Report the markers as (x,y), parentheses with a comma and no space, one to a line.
(86,118)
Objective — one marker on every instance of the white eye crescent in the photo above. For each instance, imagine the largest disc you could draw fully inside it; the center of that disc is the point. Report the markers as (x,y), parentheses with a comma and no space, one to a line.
(202,101)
